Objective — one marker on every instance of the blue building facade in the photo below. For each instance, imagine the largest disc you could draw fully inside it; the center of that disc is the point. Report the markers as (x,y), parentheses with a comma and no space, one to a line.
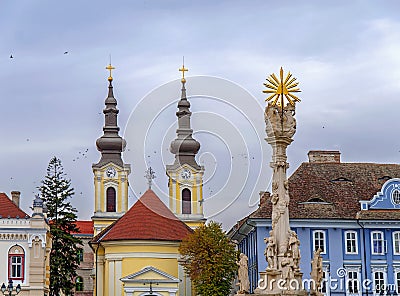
(351,211)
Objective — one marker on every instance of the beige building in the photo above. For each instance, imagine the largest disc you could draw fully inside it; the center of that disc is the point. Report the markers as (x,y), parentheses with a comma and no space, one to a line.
(25,245)
(84,280)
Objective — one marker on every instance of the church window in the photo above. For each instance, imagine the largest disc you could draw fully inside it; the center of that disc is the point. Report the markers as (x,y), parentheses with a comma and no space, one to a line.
(186,201)
(396,243)
(377,242)
(111,199)
(319,241)
(396,197)
(351,242)
(16,261)
(79,284)
(397,278)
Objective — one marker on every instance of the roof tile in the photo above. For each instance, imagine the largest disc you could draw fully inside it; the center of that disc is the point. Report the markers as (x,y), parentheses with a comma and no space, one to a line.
(147,219)
(85,227)
(10,209)
(340,185)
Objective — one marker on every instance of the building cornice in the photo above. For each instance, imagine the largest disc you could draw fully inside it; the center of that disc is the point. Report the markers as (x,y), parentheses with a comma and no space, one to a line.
(139,243)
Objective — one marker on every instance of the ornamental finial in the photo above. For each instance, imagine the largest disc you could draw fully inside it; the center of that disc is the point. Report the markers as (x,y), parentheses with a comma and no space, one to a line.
(281,87)
(150,175)
(110,68)
(183,70)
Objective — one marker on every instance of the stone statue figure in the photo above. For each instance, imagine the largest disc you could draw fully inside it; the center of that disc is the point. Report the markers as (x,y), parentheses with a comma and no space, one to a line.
(294,246)
(276,124)
(316,270)
(287,267)
(270,251)
(243,274)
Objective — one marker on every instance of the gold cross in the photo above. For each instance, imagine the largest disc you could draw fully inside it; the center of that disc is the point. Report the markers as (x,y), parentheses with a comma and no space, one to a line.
(183,70)
(110,68)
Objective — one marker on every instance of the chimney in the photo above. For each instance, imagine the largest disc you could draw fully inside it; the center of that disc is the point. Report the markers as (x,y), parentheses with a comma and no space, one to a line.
(15,196)
(321,156)
(264,197)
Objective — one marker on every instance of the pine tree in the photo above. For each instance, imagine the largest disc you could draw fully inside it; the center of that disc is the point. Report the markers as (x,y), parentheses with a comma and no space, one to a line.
(209,260)
(56,191)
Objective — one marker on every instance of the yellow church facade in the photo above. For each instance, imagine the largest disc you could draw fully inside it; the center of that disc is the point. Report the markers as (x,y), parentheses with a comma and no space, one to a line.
(136,250)
(138,254)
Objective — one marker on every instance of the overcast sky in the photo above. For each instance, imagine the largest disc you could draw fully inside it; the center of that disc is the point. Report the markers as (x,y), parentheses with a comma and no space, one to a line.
(345,54)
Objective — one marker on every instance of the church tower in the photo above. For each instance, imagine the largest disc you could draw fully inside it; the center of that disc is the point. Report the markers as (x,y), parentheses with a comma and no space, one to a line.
(185,175)
(110,173)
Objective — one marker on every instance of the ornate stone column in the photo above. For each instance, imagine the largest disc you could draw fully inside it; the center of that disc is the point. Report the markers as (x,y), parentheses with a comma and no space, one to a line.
(282,253)
(280,131)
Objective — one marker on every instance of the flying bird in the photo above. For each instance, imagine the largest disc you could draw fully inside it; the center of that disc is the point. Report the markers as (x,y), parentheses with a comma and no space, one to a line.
(11,57)
(65,52)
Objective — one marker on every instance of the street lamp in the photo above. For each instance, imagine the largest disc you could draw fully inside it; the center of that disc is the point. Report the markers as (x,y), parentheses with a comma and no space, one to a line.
(9,289)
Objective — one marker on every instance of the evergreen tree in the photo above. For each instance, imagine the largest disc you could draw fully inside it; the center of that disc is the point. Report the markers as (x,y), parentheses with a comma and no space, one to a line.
(56,191)
(209,260)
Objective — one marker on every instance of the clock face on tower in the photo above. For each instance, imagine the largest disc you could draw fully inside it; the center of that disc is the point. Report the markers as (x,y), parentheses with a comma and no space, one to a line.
(186,174)
(110,172)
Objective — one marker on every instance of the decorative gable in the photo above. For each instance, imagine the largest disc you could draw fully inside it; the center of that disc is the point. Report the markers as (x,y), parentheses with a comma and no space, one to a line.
(150,274)
(387,198)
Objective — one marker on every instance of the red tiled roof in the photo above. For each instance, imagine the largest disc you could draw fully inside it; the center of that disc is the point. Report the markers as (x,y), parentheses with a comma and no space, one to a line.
(339,185)
(9,209)
(379,214)
(85,227)
(147,219)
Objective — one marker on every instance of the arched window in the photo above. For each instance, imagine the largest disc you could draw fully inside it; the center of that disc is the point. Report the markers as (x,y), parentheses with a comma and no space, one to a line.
(186,201)
(396,197)
(79,284)
(111,199)
(16,263)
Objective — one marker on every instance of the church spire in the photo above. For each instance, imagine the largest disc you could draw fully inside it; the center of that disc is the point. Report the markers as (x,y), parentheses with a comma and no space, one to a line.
(110,144)
(184,146)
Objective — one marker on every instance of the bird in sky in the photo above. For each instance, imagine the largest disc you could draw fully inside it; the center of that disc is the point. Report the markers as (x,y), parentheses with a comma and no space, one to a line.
(65,52)
(11,57)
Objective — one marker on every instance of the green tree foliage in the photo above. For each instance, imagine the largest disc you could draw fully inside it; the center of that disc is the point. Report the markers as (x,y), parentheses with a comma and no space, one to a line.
(209,260)
(56,192)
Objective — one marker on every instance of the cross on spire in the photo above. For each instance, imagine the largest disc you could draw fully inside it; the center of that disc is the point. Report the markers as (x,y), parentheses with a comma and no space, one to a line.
(110,68)
(183,70)
(150,175)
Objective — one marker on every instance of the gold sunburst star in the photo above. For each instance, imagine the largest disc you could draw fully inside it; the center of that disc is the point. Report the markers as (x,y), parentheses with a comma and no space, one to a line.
(281,87)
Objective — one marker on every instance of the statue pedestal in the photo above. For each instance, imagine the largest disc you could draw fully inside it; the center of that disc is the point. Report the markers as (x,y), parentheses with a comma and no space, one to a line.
(315,293)
(268,283)
(271,283)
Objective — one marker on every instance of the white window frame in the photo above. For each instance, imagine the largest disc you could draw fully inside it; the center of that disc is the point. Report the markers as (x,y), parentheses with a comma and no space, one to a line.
(397,280)
(375,270)
(353,269)
(324,240)
(355,241)
(326,278)
(394,242)
(382,241)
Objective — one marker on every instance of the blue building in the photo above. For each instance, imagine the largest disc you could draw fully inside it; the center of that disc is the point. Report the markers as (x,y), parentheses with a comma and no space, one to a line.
(351,211)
